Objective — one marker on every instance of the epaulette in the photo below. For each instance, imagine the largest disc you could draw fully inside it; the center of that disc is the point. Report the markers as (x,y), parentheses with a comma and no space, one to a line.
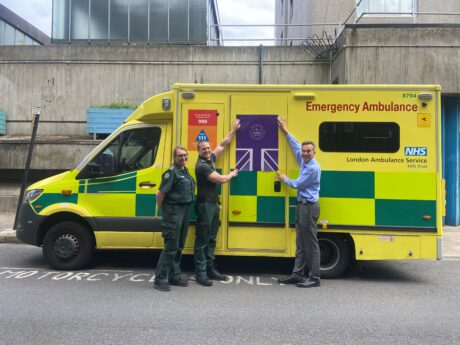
(166,173)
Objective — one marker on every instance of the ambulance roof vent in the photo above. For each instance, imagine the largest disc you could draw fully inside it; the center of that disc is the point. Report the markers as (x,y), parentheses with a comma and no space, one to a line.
(425,96)
(188,95)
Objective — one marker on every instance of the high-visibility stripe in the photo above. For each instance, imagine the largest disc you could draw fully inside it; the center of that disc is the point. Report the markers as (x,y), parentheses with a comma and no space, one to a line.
(48,199)
(270,209)
(405,186)
(405,212)
(347,211)
(347,184)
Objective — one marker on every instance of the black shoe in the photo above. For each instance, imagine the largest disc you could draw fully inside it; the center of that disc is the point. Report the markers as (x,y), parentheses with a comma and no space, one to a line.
(214,274)
(161,286)
(204,280)
(308,283)
(179,282)
(292,279)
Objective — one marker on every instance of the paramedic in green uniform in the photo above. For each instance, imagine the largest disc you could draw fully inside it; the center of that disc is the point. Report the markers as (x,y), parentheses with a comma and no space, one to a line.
(207,207)
(174,197)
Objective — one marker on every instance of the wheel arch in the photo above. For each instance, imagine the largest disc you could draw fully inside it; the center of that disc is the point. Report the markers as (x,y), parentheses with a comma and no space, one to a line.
(343,239)
(60,217)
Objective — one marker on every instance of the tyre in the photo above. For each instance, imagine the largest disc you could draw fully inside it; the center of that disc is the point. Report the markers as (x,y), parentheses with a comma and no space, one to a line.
(335,256)
(68,246)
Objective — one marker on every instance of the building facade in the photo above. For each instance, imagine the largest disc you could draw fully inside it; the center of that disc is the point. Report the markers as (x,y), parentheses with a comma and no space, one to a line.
(298,20)
(136,22)
(16,31)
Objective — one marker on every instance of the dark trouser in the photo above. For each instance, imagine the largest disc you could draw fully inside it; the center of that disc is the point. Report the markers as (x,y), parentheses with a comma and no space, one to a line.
(207,225)
(307,256)
(175,226)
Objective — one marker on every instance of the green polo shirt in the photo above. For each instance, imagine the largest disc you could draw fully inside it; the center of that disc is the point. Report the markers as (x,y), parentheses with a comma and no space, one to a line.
(178,185)
(207,190)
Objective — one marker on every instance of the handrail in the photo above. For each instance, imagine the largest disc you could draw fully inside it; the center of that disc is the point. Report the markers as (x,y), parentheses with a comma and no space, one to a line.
(339,26)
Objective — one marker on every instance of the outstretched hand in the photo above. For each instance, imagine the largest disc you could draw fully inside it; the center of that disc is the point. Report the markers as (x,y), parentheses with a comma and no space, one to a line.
(236,125)
(282,124)
(281,176)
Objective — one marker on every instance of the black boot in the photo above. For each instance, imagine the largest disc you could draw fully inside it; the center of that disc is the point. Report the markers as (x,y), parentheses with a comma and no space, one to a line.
(179,282)
(203,280)
(292,279)
(309,283)
(161,286)
(214,274)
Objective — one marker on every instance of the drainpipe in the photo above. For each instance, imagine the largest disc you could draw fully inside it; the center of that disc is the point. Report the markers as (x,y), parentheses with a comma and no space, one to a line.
(261,64)
(35,120)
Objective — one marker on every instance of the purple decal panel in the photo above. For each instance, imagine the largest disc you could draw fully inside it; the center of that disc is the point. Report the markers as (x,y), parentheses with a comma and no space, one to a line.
(257,143)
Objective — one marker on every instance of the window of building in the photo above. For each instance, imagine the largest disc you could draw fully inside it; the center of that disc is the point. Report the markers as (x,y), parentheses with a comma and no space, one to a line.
(138,21)
(119,21)
(9,35)
(79,20)
(19,38)
(383,137)
(2,32)
(99,22)
(385,7)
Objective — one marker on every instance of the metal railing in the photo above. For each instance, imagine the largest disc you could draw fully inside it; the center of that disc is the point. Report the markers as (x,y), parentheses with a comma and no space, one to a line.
(232,38)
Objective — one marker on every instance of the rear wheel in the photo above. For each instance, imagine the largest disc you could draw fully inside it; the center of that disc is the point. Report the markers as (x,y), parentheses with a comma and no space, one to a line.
(68,245)
(335,256)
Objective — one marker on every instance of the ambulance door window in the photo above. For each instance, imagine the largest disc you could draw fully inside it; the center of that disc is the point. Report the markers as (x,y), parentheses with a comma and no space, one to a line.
(138,149)
(130,151)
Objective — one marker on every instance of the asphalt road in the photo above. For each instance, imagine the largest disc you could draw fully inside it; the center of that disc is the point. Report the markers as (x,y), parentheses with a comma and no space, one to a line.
(113,302)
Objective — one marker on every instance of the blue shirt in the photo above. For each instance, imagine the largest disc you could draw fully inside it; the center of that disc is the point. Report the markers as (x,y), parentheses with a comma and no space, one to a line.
(307,184)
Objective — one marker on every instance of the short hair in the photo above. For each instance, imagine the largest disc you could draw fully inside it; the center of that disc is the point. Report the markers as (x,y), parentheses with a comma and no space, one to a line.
(178,148)
(199,143)
(308,142)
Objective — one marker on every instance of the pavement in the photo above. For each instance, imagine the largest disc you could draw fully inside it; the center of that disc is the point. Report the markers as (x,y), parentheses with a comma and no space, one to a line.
(451,238)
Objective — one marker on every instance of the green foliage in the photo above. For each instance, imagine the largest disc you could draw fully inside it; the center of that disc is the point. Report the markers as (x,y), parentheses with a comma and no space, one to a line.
(117,105)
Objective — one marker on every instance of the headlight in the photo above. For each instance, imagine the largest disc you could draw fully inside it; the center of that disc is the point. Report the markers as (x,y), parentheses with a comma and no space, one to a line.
(33,194)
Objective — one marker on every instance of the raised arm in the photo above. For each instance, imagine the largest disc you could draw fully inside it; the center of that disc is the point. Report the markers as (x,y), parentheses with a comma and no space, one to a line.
(220,148)
(293,143)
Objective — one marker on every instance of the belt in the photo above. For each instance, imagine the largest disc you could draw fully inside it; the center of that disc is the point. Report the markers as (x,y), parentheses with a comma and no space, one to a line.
(305,202)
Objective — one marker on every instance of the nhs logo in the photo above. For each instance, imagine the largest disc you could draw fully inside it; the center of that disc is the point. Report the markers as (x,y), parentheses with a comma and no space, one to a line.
(415,151)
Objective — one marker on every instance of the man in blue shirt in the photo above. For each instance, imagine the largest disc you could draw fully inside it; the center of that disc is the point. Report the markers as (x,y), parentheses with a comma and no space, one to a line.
(307,257)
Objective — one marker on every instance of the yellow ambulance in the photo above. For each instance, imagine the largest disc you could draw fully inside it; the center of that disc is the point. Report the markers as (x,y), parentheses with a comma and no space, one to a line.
(379,148)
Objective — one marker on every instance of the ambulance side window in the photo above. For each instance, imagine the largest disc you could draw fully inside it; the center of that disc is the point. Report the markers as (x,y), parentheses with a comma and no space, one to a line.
(130,151)
(381,137)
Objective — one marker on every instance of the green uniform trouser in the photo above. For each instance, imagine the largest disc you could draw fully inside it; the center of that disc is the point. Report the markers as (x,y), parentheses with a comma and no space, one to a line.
(175,226)
(207,225)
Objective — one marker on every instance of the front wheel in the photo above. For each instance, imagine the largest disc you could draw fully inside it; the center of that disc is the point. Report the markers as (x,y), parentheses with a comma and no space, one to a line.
(335,256)
(68,246)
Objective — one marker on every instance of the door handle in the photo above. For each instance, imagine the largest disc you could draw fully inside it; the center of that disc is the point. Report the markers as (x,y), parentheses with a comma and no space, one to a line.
(277,186)
(147,184)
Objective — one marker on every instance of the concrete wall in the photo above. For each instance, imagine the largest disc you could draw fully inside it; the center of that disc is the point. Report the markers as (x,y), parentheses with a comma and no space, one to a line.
(60,154)
(65,80)
(401,55)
